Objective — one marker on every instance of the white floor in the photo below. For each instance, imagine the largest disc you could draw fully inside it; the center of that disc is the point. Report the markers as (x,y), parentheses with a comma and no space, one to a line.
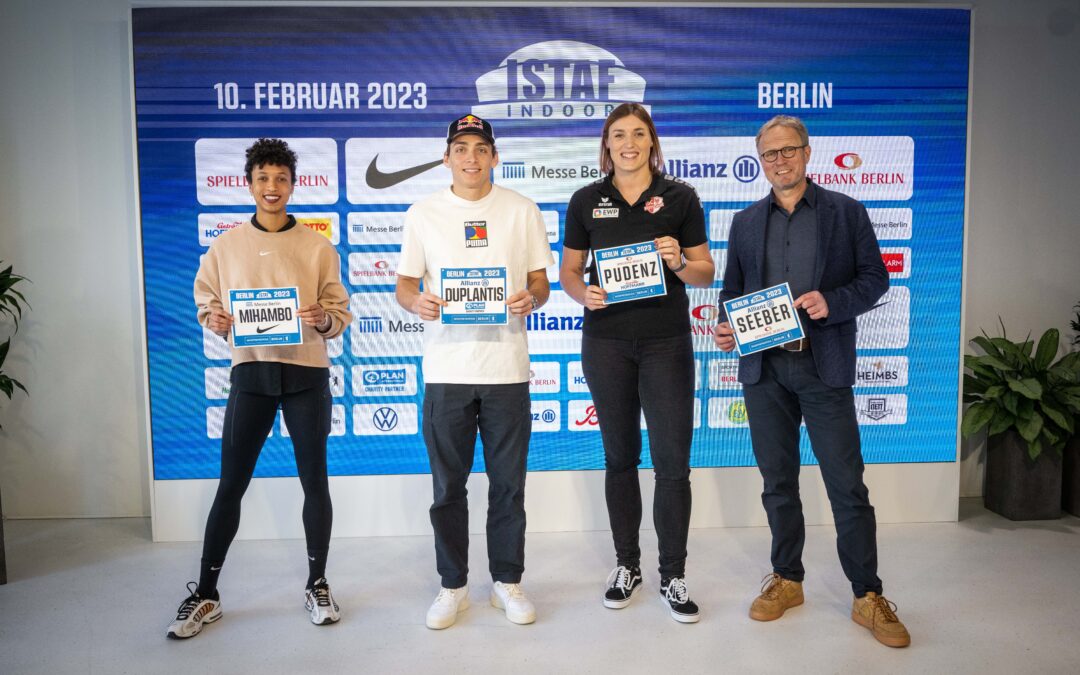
(984,595)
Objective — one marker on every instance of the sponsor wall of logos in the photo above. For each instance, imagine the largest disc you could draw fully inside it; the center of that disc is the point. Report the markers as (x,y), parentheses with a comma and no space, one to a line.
(364,94)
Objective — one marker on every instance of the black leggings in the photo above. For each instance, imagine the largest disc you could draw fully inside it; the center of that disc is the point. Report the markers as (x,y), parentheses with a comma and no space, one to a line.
(248,419)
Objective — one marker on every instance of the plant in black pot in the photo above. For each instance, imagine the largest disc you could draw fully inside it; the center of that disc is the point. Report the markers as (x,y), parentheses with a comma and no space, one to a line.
(12,304)
(1027,403)
(1070,479)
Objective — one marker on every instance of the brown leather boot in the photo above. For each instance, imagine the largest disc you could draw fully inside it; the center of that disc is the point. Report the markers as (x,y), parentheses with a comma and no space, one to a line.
(777,595)
(876,613)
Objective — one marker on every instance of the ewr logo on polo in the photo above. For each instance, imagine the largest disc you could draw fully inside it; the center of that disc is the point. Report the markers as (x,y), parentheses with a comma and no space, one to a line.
(557,79)
(384,419)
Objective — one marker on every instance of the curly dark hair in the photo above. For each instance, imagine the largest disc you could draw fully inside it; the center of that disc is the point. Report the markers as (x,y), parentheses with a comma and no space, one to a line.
(270,151)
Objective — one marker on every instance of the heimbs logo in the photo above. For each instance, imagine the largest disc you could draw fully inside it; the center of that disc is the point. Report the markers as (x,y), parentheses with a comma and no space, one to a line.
(558,79)
(881,371)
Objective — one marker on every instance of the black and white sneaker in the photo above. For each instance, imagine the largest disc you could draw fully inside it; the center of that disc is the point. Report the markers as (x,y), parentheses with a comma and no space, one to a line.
(622,583)
(193,612)
(320,603)
(673,592)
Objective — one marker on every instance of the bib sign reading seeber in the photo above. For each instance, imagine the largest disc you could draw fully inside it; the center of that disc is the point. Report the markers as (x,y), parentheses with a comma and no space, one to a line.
(764,319)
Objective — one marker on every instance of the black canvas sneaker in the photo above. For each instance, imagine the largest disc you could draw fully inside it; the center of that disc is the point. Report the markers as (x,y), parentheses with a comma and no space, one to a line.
(622,583)
(673,592)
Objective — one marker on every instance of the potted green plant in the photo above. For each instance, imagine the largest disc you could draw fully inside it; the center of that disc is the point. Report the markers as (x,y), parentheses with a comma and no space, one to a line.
(1070,479)
(1027,404)
(12,303)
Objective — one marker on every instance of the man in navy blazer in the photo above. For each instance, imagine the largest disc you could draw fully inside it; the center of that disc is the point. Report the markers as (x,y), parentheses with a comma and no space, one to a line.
(822,244)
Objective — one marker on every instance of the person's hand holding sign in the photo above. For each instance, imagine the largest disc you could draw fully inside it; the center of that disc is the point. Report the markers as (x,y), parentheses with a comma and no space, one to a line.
(595,298)
(723,336)
(669,251)
(220,322)
(427,306)
(314,315)
(814,304)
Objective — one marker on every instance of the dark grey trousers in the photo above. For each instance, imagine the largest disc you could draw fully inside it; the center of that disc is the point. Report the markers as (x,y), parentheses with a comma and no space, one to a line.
(790,390)
(452,415)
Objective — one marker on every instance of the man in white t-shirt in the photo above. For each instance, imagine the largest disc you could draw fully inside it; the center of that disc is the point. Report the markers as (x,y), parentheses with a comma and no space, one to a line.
(482,252)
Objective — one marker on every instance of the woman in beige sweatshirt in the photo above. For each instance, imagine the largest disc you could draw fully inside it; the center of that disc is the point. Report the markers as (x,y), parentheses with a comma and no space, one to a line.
(268,252)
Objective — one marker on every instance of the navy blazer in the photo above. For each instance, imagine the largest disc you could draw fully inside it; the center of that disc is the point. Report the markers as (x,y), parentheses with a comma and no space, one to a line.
(848,271)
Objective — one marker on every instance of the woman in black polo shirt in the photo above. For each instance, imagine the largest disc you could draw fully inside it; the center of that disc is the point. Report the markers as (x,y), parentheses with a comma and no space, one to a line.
(637,355)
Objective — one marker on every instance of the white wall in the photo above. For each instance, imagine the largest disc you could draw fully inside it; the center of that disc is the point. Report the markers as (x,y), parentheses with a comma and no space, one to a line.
(77,446)
(1023,248)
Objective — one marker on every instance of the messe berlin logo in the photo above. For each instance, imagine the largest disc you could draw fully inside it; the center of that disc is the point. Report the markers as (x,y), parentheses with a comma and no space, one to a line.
(558,79)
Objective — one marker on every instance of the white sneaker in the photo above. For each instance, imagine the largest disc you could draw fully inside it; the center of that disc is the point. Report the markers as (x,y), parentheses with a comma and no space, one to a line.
(448,604)
(509,597)
(193,612)
(320,603)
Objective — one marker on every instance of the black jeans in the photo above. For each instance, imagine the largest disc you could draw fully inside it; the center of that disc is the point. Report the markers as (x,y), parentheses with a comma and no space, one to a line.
(248,419)
(789,390)
(452,415)
(626,377)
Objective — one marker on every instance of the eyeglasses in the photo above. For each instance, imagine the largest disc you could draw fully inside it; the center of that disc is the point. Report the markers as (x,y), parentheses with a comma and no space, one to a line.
(787,152)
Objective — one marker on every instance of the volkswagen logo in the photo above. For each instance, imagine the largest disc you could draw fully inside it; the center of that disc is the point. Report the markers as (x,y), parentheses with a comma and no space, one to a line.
(385,418)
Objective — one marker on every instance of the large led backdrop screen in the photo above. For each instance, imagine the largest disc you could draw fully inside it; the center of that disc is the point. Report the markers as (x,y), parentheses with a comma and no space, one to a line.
(364,95)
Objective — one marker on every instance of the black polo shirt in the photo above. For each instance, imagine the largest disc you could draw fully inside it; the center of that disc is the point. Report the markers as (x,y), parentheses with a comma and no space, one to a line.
(598,217)
(270,378)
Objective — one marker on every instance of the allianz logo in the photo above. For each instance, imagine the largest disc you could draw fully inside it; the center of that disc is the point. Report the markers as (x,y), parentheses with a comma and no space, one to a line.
(557,79)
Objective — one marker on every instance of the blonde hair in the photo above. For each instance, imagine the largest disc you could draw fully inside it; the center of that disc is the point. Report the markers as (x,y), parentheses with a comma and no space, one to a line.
(784,121)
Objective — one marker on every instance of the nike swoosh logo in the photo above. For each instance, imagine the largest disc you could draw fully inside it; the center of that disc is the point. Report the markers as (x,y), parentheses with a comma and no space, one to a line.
(265,252)
(310,558)
(214,569)
(380,181)
(263,330)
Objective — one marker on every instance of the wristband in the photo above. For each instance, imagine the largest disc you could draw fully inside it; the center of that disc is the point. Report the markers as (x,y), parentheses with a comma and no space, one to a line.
(681,267)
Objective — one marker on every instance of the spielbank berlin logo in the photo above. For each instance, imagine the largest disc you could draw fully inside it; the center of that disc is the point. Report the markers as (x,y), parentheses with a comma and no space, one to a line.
(557,79)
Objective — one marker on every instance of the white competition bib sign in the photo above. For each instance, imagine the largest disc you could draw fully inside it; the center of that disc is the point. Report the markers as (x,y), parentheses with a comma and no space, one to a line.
(474,295)
(630,272)
(265,316)
(764,319)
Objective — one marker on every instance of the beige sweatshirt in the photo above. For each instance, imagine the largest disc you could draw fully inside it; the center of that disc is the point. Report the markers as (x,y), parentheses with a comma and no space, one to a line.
(246,257)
